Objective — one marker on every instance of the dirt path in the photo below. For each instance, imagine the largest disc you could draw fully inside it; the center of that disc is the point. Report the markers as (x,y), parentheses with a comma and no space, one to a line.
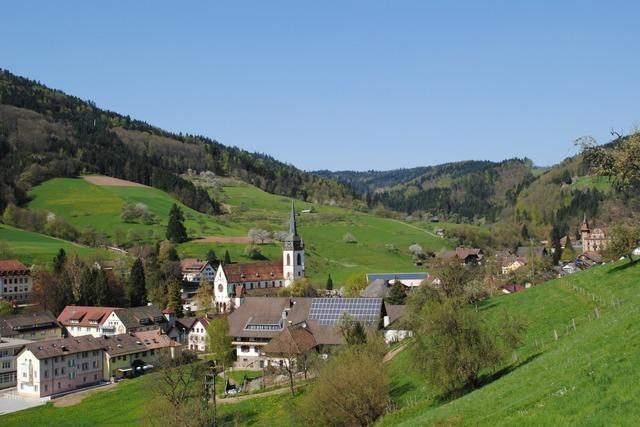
(418,228)
(245,240)
(393,353)
(110,181)
(256,395)
(77,397)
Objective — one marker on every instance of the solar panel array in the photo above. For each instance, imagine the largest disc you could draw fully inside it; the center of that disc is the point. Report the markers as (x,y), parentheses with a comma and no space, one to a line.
(328,311)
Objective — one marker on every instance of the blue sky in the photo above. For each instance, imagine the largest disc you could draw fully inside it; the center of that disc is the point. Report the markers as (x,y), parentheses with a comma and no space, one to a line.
(346,84)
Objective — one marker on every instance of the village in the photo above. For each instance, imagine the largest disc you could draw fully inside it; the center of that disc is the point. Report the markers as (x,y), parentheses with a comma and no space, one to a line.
(46,357)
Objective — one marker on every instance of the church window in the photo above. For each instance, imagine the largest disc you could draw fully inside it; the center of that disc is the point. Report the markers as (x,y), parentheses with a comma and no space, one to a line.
(299,259)
(288,259)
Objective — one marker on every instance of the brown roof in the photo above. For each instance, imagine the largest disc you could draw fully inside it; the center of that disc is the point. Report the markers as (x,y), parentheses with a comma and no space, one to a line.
(394,312)
(134,317)
(85,316)
(295,339)
(253,272)
(64,346)
(266,309)
(120,344)
(461,253)
(12,266)
(16,323)
(155,339)
(193,264)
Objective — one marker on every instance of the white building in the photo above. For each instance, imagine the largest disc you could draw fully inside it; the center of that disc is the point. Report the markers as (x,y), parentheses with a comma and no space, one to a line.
(15,281)
(232,279)
(197,270)
(9,349)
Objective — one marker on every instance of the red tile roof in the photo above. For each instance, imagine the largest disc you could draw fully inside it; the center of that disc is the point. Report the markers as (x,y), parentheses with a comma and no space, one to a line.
(83,315)
(253,272)
(12,265)
(193,264)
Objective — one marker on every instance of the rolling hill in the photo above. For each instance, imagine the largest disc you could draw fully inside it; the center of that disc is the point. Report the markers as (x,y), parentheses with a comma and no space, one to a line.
(382,243)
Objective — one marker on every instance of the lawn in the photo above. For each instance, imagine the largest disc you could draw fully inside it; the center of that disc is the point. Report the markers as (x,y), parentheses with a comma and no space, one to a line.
(587,377)
(35,248)
(382,244)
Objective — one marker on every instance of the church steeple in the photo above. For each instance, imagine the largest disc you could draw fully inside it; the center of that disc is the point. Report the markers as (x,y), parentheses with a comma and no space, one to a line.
(293,253)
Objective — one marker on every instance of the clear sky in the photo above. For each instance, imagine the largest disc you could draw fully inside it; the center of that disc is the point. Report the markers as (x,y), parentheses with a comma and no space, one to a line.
(346,84)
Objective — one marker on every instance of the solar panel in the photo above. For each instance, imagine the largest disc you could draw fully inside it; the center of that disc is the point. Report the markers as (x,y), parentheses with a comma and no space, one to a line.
(328,311)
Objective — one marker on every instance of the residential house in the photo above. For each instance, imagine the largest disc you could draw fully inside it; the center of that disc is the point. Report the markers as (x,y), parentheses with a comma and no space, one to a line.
(410,280)
(258,320)
(512,289)
(9,349)
(15,281)
(465,255)
(192,332)
(135,319)
(293,342)
(512,263)
(30,326)
(57,366)
(261,276)
(126,355)
(84,320)
(197,270)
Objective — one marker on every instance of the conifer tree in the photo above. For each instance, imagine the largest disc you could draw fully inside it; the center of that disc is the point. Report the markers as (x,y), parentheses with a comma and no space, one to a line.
(176,232)
(227,257)
(175,298)
(59,261)
(136,287)
(211,257)
(329,283)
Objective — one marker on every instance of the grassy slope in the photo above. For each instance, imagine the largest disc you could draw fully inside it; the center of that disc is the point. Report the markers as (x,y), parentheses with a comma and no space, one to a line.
(84,204)
(36,248)
(550,385)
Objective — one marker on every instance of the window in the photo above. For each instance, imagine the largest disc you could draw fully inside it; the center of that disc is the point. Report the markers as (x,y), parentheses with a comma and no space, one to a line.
(244,349)
(55,372)
(288,259)
(72,375)
(299,259)
(6,365)
(46,374)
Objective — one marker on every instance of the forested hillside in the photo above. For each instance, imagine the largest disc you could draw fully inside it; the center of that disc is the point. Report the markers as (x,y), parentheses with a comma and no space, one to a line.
(459,191)
(45,133)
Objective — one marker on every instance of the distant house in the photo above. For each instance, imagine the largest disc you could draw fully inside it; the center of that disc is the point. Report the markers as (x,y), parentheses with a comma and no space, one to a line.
(192,332)
(292,342)
(591,258)
(9,349)
(512,264)
(31,326)
(377,289)
(197,270)
(15,281)
(408,279)
(512,289)
(569,268)
(466,255)
(440,232)
(593,240)
(393,331)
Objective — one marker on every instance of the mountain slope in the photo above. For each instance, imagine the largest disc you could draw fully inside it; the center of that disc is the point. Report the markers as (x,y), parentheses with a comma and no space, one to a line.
(45,133)
(586,377)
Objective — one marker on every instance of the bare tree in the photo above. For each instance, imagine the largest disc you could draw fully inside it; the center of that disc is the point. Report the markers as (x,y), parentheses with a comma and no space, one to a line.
(259,234)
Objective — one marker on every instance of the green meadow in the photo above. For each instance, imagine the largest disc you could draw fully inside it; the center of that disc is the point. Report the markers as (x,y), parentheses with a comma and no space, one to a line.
(35,248)
(381,244)
(588,376)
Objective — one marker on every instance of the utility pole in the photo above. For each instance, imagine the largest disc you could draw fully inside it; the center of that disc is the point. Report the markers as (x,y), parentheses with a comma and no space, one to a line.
(209,384)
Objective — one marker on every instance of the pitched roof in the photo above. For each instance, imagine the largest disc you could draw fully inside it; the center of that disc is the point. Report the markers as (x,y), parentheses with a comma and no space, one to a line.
(64,346)
(377,289)
(84,315)
(16,323)
(133,317)
(511,289)
(295,339)
(155,339)
(186,323)
(394,311)
(120,344)
(266,309)
(12,266)
(253,272)
(193,265)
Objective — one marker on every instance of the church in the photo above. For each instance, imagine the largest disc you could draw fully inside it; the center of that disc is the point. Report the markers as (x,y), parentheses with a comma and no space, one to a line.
(232,281)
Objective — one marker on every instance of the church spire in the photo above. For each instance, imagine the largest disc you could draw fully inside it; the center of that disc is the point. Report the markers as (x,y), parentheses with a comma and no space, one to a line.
(293,228)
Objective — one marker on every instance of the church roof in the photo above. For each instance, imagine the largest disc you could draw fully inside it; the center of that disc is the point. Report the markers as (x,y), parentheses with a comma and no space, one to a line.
(253,272)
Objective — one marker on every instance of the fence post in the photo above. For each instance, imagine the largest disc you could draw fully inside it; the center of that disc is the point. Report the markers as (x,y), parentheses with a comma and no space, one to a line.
(555,334)
(573,322)
(597,313)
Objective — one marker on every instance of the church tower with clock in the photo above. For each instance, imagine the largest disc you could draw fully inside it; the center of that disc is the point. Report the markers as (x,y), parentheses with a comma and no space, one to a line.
(293,253)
